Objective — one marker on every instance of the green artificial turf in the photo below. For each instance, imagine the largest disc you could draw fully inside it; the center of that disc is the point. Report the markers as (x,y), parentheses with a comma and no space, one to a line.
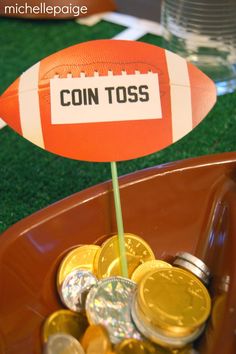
(32,178)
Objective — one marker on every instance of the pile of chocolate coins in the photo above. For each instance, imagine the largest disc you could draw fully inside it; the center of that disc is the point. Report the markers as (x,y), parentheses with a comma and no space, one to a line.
(161,308)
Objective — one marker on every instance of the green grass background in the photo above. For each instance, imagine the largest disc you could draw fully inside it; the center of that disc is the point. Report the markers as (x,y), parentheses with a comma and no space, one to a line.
(32,178)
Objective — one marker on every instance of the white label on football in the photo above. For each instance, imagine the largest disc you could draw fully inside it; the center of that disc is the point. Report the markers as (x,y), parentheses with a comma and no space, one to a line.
(108,98)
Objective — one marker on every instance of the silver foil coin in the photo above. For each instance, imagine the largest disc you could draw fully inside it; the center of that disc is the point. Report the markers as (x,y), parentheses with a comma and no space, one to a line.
(108,303)
(181,263)
(195,261)
(61,343)
(75,288)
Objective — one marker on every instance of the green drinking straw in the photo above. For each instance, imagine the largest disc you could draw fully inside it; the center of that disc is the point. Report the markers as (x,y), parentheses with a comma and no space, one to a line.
(119,220)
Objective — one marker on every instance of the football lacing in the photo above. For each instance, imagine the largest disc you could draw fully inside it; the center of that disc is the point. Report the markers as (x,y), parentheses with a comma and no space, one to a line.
(97,74)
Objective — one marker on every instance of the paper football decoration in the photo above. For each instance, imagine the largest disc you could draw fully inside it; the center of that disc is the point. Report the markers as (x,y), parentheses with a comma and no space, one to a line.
(108,100)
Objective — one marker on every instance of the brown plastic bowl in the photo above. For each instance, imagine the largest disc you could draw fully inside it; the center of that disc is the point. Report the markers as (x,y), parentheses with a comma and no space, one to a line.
(183,206)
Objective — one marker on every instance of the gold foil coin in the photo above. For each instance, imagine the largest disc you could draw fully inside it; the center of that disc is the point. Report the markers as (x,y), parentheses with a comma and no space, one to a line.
(79,258)
(96,340)
(218,310)
(156,334)
(107,261)
(148,266)
(174,300)
(186,350)
(64,321)
(131,346)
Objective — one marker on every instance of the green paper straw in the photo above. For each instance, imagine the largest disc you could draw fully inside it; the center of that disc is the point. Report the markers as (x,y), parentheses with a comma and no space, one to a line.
(119,220)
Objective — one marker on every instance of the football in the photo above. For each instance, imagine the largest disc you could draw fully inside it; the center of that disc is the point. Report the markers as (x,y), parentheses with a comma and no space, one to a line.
(52,9)
(108,100)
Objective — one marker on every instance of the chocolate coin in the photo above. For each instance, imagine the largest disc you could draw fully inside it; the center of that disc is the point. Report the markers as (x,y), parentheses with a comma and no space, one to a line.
(64,321)
(195,261)
(174,300)
(131,346)
(81,257)
(61,343)
(108,304)
(156,334)
(96,340)
(75,288)
(181,263)
(146,267)
(107,260)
